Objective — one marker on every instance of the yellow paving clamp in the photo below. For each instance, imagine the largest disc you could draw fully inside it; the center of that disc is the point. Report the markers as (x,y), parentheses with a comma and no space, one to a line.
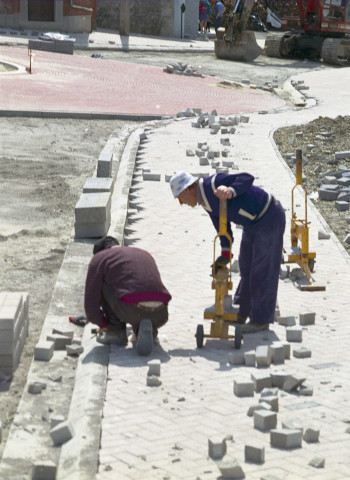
(222,314)
(300,253)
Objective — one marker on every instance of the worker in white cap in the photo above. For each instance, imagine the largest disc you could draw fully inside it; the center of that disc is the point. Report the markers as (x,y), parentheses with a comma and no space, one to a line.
(263,220)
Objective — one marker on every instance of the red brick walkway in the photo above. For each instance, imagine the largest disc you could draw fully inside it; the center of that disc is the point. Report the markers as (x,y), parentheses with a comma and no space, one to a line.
(69,83)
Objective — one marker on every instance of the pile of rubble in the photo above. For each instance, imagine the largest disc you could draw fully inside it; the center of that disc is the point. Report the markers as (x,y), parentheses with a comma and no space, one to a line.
(182,68)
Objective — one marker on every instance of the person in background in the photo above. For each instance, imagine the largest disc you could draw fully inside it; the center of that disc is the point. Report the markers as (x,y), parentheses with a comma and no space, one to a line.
(203,16)
(218,14)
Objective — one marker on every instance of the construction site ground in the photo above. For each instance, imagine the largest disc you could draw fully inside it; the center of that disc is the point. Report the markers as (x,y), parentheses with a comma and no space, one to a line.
(43,165)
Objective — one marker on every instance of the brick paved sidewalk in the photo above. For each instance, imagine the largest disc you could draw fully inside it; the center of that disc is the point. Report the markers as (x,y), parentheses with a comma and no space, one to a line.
(65,83)
(162,432)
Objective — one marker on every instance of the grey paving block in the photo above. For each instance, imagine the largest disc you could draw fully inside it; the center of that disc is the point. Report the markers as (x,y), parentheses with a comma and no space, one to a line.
(36,388)
(105,163)
(293,382)
(153,177)
(323,235)
(60,341)
(92,230)
(259,406)
(43,351)
(230,469)
(327,194)
(217,448)
(311,435)
(277,353)
(265,420)
(249,358)
(261,380)
(55,420)
(236,358)
(271,400)
(263,356)
(308,318)
(285,438)
(294,334)
(62,331)
(153,381)
(74,350)
(154,367)
(347,239)
(278,377)
(98,184)
(288,321)
(317,462)
(203,161)
(341,206)
(341,155)
(301,352)
(254,454)
(93,208)
(44,470)
(306,390)
(293,424)
(62,433)
(243,389)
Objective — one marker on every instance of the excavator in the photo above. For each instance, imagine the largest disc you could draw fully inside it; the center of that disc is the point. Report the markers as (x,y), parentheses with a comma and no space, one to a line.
(320,31)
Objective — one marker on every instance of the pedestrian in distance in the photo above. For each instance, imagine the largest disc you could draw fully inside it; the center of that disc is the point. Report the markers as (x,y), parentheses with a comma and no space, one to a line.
(203,15)
(123,286)
(218,14)
(263,220)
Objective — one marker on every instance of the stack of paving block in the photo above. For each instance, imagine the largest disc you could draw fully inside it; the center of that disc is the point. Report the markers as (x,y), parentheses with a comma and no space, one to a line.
(14,322)
(93,210)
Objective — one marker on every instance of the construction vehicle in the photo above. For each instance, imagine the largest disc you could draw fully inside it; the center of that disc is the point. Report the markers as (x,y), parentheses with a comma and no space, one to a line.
(234,42)
(319,32)
(222,314)
(300,253)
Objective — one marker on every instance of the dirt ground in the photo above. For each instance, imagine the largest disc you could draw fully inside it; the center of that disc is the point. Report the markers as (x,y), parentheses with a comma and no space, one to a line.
(43,166)
(318,158)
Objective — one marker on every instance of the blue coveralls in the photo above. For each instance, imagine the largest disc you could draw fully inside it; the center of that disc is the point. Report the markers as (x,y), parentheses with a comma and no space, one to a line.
(263,221)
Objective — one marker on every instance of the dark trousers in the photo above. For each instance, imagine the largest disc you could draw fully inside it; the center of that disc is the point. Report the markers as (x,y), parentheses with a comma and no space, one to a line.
(119,314)
(259,262)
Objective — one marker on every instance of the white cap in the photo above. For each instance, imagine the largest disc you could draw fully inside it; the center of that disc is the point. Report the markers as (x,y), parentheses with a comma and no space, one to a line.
(180,181)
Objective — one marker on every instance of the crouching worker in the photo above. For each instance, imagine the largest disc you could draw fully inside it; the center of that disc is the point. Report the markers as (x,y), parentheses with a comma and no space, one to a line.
(123,285)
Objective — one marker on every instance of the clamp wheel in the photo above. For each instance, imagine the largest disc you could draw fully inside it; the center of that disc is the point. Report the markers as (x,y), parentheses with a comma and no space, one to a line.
(200,336)
(238,337)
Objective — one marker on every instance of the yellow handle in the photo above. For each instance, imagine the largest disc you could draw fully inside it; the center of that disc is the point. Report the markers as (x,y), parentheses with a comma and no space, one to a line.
(223,217)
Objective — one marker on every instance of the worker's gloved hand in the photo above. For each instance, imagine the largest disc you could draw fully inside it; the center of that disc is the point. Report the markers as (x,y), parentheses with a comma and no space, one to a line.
(220,262)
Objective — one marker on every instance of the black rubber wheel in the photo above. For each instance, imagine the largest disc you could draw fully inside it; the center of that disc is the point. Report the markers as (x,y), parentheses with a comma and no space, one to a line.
(200,336)
(311,264)
(238,337)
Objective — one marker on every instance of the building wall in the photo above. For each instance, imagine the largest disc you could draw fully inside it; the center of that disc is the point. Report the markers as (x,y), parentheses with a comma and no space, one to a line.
(14,13)
(151,17)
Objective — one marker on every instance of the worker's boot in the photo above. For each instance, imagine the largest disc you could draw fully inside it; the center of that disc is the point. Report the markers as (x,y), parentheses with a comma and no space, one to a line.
(145,342)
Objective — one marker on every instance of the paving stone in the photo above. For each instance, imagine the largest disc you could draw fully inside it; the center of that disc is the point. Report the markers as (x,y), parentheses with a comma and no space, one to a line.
(93,208)
(236,358)
(104,164)
(36,388)
(288,321)
(74,350)
(318,462)
(341,155)
(217,448)
(311,435)
(327,194)
(301,352)
(243,389)
(44,350)
(294,334)
(60,341)
(55,420)
(153,381)
(342,206)
(203,161)
(189,152)
(264,420)
(277,353)
(66,332)
(62,433)
(323,235)
(154,367)
(230,469)
(278,377)
(284,271)
(259,406)
(98,184)
(347,239)
(152,177)
(44,470)
(249,358)
(261,380)
(306,390)
(293,424)
(293,382)
(283,438)
(271,400)
(254,454)
(307,318)
(267,392)
(263,356)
